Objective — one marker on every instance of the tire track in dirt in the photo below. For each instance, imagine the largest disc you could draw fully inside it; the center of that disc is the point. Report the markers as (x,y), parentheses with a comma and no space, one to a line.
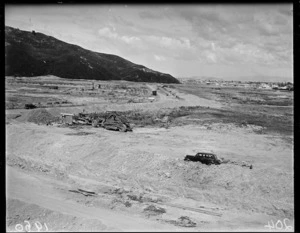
(33,189)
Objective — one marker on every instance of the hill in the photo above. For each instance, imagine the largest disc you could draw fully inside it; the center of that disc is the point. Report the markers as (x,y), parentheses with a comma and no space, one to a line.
(35,54)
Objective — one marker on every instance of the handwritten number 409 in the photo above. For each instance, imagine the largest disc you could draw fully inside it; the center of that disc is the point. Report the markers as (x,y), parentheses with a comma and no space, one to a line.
(38,225)
(279,225)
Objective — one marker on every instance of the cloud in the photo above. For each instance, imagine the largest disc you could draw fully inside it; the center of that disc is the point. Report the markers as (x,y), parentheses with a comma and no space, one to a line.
(159,58)
(148,15)
(169,42)
(155,13)
(112,34)
(211,57)
(214,34)
(242,34)
(175,43)
(213,46)
(242,53)
(272,24)
(107,32)
(286,10)
(130,39)
(246,54)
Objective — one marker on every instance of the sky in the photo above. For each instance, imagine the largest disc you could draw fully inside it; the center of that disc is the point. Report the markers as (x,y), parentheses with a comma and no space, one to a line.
(233,42)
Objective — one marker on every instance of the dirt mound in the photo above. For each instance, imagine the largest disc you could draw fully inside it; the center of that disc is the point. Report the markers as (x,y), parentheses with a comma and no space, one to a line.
(154,210)
(183,221)
(41,116)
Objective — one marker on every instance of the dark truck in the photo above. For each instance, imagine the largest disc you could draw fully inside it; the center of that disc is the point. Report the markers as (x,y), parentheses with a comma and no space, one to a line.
(203,157)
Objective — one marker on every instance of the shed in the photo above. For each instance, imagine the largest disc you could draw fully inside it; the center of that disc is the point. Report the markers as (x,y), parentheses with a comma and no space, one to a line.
(154,92)
(67,118)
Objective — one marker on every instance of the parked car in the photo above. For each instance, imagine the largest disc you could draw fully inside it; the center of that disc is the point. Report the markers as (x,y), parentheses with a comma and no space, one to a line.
(203,157)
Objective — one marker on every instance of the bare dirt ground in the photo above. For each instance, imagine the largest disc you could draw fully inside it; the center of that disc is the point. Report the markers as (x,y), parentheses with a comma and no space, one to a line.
(138,181)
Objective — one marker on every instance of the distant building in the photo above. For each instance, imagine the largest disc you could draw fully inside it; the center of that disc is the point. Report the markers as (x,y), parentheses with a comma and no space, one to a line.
(264,86)
(283,88)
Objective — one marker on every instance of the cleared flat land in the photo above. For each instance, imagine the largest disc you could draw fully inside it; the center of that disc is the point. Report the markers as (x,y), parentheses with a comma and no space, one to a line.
(139,180)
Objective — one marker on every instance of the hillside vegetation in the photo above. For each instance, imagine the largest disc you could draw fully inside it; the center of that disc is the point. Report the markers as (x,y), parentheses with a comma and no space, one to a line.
(35,54)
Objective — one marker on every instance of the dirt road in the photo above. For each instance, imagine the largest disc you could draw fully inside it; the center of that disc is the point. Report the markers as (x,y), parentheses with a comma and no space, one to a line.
(44,193)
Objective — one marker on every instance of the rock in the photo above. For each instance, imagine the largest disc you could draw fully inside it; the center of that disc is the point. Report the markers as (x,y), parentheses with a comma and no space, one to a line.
(167,174)
(165,119)
(126,189)
(154,210)
(185,222)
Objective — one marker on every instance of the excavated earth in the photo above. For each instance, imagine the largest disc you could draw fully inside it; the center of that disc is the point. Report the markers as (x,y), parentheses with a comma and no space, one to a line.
(139,181)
